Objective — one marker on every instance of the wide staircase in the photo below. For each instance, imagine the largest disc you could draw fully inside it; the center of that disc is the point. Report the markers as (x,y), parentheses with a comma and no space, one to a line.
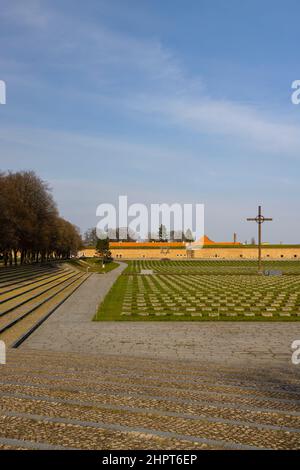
(51,400)
(29,294)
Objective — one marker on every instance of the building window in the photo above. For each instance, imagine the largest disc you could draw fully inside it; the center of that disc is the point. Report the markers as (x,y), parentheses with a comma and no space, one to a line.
(281,256)
(295,256)
(241,256)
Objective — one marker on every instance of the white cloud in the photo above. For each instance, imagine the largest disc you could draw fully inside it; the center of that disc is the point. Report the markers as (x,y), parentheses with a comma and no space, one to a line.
(58,145)
(73,61)
(31,13)
(134,168)
(224,118)
(155,80)
(179,99)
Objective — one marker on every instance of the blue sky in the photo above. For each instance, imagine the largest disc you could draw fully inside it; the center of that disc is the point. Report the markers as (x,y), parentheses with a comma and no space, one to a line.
(165,101)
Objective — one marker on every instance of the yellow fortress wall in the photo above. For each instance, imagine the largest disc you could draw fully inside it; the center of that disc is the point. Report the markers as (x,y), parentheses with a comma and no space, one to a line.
(182,250)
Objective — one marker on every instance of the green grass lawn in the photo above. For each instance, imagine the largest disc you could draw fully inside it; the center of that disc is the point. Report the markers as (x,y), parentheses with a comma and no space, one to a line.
(204,290)
(216,266)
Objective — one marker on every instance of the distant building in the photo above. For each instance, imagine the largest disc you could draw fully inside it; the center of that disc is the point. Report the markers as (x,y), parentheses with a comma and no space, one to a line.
(204,248)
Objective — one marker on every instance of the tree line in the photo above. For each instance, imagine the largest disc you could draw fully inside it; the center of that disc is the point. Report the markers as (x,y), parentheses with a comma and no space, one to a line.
(126,234)
(31,228)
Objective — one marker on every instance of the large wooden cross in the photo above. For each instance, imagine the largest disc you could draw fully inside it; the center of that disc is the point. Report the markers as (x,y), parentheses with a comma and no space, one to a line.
(259,219)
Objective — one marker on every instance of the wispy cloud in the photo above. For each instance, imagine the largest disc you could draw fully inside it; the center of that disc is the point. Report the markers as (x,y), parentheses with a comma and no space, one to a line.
(231,119)
(29,13)
(154,81)
(126,104)
(75,152)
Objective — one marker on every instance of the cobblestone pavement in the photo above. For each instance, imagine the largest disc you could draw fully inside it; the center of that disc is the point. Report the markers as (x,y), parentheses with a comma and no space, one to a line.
(231,343)
(96,385)
(53,400)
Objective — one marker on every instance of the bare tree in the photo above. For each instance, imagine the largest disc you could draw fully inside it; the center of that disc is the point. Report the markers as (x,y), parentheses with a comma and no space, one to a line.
(29,221)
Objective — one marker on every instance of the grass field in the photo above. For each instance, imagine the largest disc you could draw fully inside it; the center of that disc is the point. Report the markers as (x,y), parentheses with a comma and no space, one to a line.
(204,290)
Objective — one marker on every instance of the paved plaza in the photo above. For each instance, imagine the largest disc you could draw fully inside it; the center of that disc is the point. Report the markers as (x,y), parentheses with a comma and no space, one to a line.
(52,400)
(80,384)
(232,343)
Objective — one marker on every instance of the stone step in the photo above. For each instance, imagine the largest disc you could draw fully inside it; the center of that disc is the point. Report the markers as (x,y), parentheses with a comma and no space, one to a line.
(60,400)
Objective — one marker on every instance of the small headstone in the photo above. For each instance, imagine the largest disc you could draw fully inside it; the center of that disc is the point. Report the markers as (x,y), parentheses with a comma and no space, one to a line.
(273,272)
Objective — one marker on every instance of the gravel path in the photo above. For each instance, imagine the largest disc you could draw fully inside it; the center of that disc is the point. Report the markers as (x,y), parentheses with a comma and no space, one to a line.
(70,329)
